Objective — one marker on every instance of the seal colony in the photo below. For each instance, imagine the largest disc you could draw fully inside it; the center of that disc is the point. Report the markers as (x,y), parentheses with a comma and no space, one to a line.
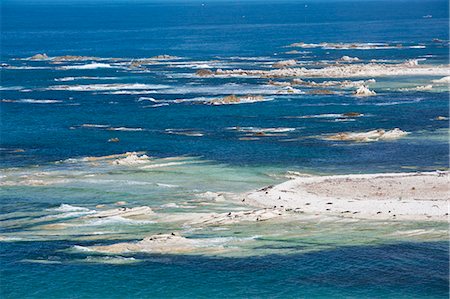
(400,196)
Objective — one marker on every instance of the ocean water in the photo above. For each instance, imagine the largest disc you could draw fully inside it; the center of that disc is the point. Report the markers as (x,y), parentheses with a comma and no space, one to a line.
(194,154)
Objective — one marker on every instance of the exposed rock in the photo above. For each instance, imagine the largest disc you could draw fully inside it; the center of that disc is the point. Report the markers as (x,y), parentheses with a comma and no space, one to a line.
(235,217)
(444,80)
(374,135)
(411,62)
(232,99)
(164,57)
(278,83)
(352,114)
(363,91)
(204,73)
(348,59)
(284,63)
(441,118)
(39,57)
(349,70)
(130,213)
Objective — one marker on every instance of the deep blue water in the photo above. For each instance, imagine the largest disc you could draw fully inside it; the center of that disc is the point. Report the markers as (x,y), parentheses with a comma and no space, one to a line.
(217,30)
(405,270)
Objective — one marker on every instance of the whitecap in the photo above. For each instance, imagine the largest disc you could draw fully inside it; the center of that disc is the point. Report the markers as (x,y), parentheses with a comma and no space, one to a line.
(131,92)
(68,208)
(107,87)
(261,130)
(125,129)
(132,159)
(94,126)
(89,66)
(166,185)
(66,79)
(157,105)
(31,101)
(170,205)
(111,260)
(444,80)
(184,132)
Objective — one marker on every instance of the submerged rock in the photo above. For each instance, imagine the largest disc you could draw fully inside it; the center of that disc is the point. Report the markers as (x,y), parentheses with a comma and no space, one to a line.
(321,91)
(171,243)
(278,83)
(232,99)
(284,63)
(74,58)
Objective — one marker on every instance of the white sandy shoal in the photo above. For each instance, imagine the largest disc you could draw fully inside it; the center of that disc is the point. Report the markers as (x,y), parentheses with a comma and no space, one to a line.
(401,196)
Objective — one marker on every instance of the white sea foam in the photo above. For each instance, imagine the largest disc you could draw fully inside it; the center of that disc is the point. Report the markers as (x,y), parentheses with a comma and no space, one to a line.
(147,99)
(67,79)
(330,115)
(116,220)
(227,100)
(444,80)
(370,136)
(409,68)
(81,248)
(131,92)
(10,239)
(346,58)
(354,46)
(69,208)
(363,91)
(185,132)
(32,101)
(125,129)
(40,261)
(94,126)
(167,185)
(261,130)
(132,159)
(89,66)
(418,88)
(14,67)
(157,105)
(70,215)
(110,260)
(11,87)
(162,165)
(392,103)
(107,87)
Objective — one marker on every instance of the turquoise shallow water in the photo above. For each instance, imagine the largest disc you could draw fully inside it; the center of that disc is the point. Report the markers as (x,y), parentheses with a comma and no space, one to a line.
(56,121)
